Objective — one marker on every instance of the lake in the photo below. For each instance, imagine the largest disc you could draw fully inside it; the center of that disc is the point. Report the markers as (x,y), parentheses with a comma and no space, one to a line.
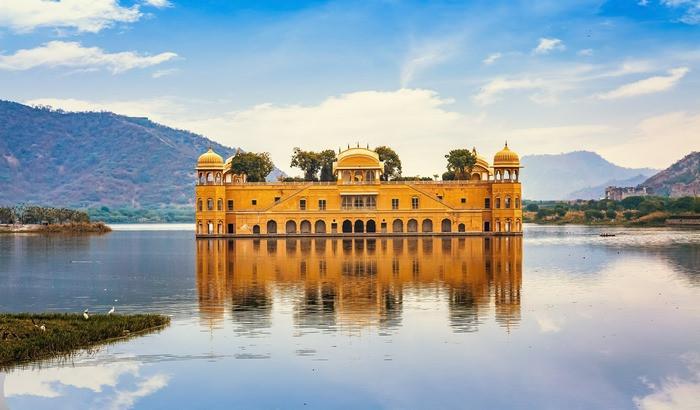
(560,318)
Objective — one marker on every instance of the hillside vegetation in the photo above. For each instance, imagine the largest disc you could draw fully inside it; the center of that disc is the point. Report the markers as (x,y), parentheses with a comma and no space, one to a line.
(91,159)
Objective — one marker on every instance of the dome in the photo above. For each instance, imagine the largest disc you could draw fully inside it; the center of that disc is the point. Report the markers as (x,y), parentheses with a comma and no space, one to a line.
(506,158)
(480,160)
(210,159)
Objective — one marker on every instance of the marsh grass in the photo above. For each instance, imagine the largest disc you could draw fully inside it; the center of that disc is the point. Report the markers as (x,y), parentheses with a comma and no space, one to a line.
(22,340)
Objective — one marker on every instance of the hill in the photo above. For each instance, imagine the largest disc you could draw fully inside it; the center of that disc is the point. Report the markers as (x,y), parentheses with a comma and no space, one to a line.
(88,159)
(560,176)
(598,191)
(680,179)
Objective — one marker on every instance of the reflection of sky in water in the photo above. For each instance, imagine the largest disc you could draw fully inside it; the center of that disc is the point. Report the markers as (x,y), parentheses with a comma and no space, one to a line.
(585,322)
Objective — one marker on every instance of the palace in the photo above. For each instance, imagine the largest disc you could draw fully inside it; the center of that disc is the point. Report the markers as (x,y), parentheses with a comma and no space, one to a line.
(358,202)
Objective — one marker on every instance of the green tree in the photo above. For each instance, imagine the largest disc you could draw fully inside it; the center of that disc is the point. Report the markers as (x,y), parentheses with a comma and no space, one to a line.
(256,166)
(307,161)
(327,157)
(532,208)
(610,213)
(461,162)
(632,202)
(392,162)
(448,176)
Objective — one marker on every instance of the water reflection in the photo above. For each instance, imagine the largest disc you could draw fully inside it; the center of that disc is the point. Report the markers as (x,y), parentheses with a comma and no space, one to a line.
(353,283)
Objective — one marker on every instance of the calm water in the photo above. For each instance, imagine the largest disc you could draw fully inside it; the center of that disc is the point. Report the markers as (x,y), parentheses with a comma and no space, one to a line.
(561,318)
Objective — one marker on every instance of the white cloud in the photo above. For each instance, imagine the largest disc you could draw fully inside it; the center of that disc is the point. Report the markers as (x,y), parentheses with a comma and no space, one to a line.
(691,10)
(164,73)
(674,392)
(74,55)
(425,56)
(491,91)
(159,3)
(585,52)
(647,86)
(547,45)
(82,15)
(491,58)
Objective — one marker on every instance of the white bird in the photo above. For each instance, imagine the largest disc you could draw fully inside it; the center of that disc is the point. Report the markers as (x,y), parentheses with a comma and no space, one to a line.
(111,311)
(43,328)
(85,314)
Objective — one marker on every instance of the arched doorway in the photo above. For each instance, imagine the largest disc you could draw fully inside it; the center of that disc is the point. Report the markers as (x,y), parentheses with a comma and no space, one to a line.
(427,225)
(256,229)
(305,226)
(271,227)
(518,226)
(412,225)
(359,226)
(371,226)
(446,225)
(461,228)
(347,226)
(320,227)
(397,226)
(290,227)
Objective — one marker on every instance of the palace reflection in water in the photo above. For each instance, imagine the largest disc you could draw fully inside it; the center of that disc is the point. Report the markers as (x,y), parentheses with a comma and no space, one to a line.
(352,283)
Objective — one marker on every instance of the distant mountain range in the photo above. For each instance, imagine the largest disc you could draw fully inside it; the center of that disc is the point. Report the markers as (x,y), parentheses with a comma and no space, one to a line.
(680,179)
(575,175)
(95,158)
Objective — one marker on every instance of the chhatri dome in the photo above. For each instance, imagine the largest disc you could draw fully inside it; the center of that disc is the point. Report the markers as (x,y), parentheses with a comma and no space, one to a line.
(210,159)
(506,158)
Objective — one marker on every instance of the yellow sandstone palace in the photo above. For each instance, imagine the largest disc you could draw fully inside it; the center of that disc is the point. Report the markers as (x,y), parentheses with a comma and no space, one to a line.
(358,202)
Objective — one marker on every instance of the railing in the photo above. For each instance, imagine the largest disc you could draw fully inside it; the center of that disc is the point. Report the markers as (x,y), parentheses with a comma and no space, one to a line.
(357,208)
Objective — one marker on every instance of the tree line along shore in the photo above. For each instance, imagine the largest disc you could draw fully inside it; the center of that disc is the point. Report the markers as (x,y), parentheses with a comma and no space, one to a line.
(631,211)
(38,219)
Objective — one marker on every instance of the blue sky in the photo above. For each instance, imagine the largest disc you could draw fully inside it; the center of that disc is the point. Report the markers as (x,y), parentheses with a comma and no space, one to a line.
(620,78)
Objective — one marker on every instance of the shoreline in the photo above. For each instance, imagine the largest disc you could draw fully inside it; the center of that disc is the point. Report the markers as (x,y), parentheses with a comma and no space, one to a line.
(63,334)
(66,228)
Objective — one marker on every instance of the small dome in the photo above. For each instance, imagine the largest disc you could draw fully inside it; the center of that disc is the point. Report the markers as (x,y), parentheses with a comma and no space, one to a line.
(210,159)
(506,158)
(480,160)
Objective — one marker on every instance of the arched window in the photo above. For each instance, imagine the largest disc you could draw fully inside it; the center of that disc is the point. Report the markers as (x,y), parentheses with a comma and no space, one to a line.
(227,178)
(359,226)
(219,204)
(446,225)
(371,226)
(347,226)
(218,177)
(498,203)
(271,227)
(256,229)
(506,175)
(346,176)
(199,204)
(461,228)
(517,203)
(427,225)
(369,176)
(412,225)
(518,226)
(397,226)
(290,227)
(199,227)
(210,204)
(305,227)
(320,227)
(202,178)
(507,201)
(210,177)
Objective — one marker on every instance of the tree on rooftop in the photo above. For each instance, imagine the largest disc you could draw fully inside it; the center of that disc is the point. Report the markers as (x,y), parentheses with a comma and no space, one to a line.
(307,161)
(461,162)
(392,162)
(257,166)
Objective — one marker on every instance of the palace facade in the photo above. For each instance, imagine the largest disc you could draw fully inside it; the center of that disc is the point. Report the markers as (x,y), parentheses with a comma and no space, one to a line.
(358,202)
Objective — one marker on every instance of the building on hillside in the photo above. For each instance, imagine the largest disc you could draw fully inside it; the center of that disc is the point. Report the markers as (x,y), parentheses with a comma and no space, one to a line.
(619,193)
(358,201)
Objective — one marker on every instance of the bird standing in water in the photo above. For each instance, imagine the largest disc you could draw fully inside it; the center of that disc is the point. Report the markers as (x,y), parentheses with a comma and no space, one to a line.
(110,311)
(85,314)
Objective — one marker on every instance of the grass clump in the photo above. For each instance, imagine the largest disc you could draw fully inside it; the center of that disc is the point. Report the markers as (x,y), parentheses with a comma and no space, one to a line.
(23,339)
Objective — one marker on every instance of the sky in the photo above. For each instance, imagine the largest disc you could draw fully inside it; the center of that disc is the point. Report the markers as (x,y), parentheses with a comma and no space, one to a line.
(621,78)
